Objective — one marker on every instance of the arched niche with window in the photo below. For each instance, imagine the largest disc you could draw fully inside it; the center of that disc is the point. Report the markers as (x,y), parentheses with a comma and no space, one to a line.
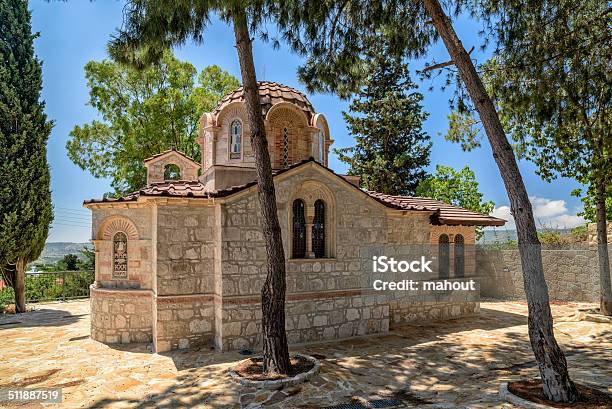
(459,256)
(311,221)
(172,172)
(235,139)
(443,256)
(120,255)
(299,230)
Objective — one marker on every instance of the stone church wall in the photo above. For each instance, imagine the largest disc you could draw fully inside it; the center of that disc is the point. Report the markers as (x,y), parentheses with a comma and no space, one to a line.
(185,276)
(326,298)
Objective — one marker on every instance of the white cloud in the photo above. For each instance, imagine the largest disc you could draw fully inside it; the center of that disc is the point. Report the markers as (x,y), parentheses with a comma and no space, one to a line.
(547,213)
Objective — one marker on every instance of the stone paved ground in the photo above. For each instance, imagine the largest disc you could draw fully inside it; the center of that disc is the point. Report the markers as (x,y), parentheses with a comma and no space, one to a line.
(451,364)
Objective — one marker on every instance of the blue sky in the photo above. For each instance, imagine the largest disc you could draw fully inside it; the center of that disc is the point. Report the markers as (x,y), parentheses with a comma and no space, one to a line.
(73,33)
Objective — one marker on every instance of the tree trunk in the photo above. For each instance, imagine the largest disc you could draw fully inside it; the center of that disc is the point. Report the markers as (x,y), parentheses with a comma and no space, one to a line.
(275,348)
(558,386)
(19,286)
(602,248)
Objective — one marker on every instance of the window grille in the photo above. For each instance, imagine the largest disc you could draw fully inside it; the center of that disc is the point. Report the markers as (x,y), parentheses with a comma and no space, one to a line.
(120,255)
(318,230)
(443,256)
(285,147)
(299,230)
(459,256)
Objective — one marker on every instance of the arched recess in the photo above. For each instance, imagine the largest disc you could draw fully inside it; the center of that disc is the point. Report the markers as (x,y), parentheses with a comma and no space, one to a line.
(115,224)
(289,136)
(236,111)
(309,192)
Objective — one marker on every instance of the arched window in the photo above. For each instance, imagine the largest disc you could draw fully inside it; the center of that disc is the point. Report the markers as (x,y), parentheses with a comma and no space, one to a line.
(321,143)
(443,256)
(299,230)
(120,260)
(172,172)
(318,229)
(459,256)
(235,139)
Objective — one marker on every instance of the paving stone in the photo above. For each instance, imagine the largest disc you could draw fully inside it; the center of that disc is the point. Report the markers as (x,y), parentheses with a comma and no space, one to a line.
(449,364)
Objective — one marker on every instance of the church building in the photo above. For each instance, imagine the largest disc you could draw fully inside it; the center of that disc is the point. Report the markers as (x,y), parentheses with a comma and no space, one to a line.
(181,262)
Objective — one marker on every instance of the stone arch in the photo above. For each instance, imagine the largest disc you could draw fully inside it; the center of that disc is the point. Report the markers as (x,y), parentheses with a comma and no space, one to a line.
(309,192)
(276,114)
(232,112)
(116,224)
(286,116)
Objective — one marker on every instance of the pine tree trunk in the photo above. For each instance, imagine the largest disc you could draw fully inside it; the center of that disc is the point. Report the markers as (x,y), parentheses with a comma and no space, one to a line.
(605,287)
(558,386)
(275,348)
(19,286)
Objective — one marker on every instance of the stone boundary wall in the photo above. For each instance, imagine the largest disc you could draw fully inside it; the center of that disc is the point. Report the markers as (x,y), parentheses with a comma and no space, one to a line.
(571,274)
(121,316)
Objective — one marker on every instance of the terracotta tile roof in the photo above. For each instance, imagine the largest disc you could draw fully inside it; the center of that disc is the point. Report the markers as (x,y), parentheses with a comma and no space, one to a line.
(166,152)
(443,213)
(270,93)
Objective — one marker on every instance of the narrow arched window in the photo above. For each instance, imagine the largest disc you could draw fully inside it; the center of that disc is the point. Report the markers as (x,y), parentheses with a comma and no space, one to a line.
(321,147)
(120,260)
(172,172)
(318,229)
(285,147)
(235,139)
(459,256)
(443,256)
(299,230)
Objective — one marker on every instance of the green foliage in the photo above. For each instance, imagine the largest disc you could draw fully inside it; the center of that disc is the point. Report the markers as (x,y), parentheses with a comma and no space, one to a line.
(45,287)
(580,233)
(386,120)
(88,261)
(588,201)
(143,112)
(457,188)
(70,262)
(25,196)
(552,85)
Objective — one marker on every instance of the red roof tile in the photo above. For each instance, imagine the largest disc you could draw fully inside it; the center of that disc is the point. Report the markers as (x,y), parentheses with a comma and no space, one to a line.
(443,213)
(270,93)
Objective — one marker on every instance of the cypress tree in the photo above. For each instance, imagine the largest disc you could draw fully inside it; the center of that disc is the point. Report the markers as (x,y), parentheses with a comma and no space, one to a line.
(386,119)
(25,195)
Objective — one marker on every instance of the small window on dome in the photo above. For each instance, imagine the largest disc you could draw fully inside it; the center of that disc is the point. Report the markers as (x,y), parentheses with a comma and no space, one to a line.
(235,139)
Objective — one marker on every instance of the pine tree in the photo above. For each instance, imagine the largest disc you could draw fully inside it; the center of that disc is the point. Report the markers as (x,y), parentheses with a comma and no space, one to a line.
(334,36)
(386,119)
(150,27)
(25,196)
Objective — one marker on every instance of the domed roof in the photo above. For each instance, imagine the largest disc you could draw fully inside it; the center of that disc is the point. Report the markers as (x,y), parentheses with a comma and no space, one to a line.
(270,93)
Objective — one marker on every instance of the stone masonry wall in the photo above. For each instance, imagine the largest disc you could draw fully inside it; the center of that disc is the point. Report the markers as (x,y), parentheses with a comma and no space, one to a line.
(185,315)
(121,316)
(327,298)
(571,274)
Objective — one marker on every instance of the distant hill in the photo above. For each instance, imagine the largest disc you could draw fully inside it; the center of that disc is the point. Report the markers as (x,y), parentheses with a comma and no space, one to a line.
(54,252)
